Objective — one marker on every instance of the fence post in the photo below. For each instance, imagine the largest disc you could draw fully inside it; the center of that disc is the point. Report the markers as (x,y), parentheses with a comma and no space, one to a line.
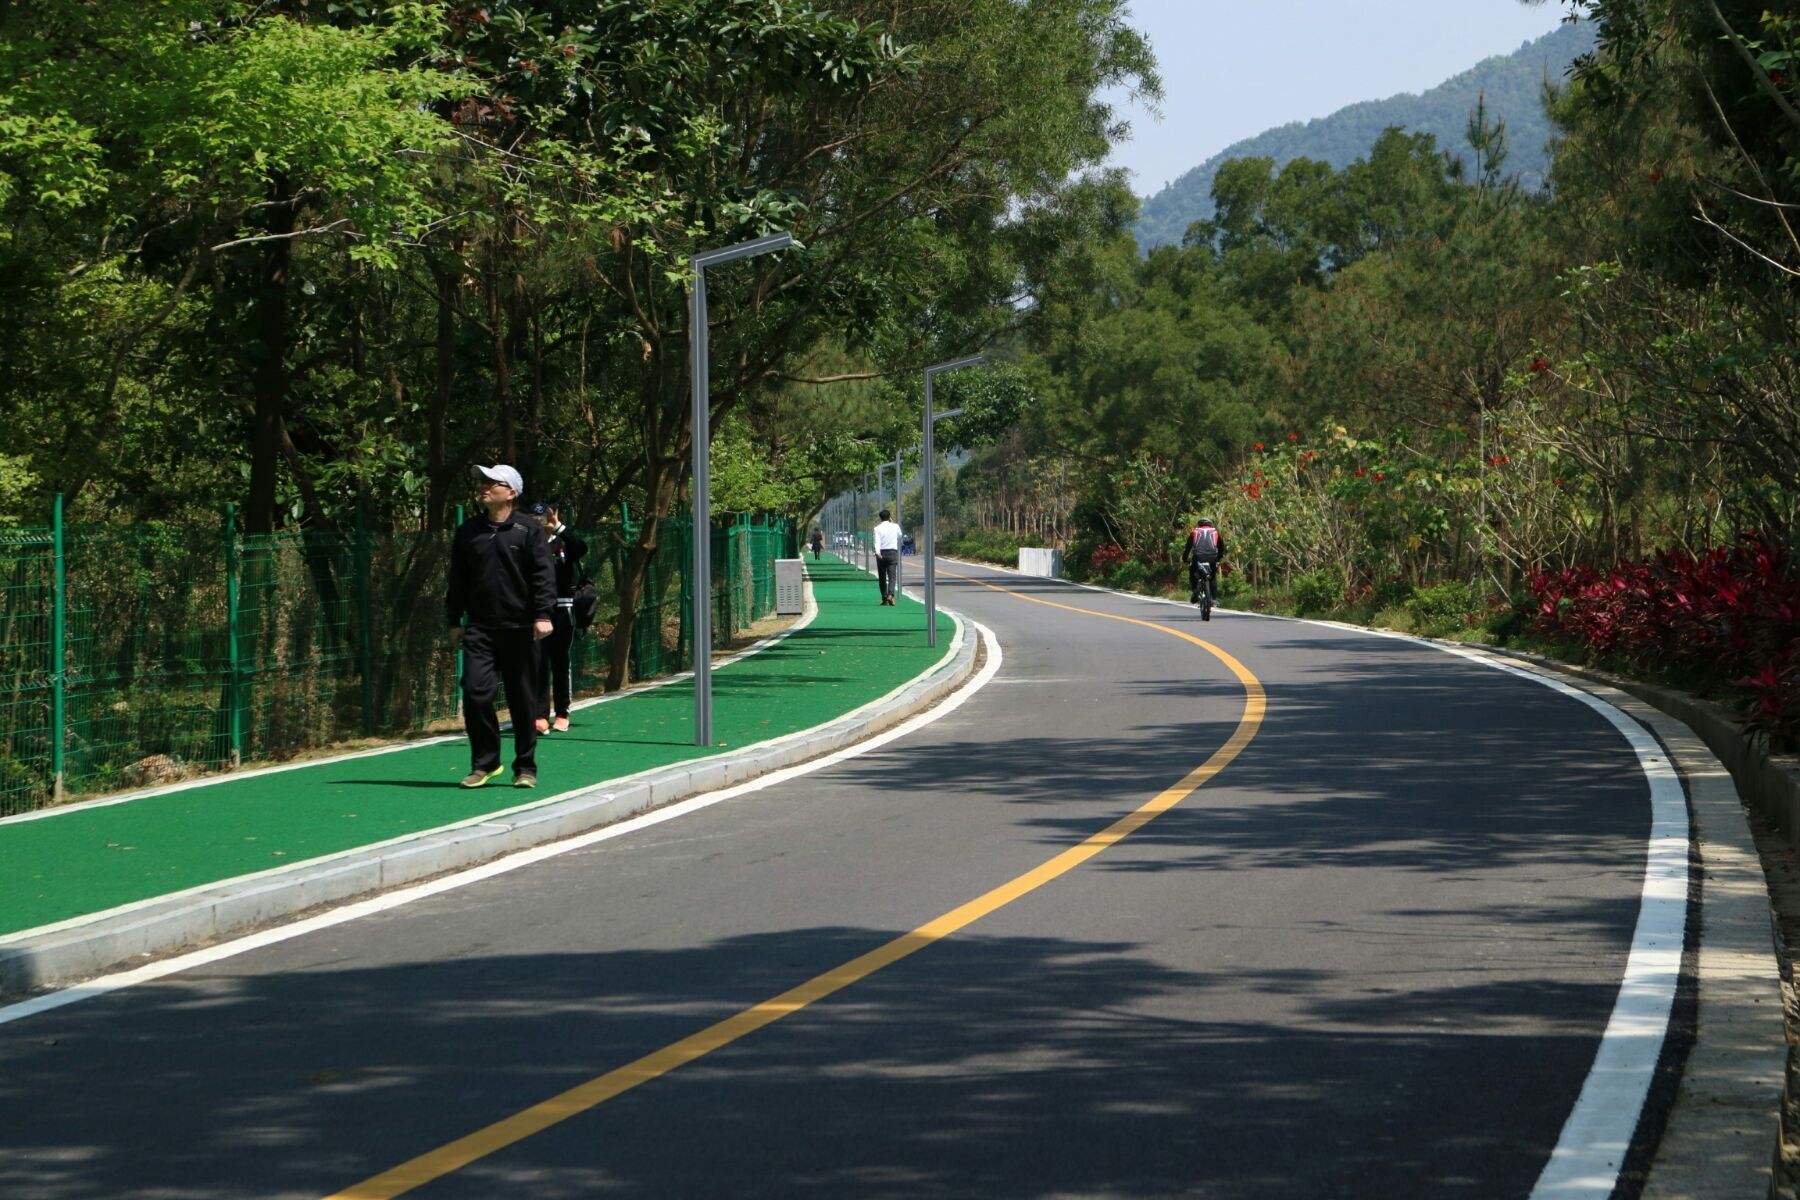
(58,651)
(459,653)
(365,648)
(234,708)
(684,620)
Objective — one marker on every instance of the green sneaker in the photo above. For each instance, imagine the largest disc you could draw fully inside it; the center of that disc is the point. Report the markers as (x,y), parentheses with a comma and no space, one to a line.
(475,779)
(526,780)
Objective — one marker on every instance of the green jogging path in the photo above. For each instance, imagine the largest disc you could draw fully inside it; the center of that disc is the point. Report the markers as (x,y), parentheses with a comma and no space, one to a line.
(73,863)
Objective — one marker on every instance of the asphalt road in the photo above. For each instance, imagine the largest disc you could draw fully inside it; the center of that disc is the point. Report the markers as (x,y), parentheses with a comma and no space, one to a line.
(1372,957)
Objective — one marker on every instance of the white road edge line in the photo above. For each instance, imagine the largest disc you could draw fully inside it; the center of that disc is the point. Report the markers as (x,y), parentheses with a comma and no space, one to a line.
(484,818)
(501,866)
(1598,1133)
(1597,1136)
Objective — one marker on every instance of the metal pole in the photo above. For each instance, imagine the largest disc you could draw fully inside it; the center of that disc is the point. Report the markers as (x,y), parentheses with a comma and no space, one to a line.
(460,517)
(929,549)
(364,619)
(702,462)
(58,651)
(929,467)
(234,707)
(701,571)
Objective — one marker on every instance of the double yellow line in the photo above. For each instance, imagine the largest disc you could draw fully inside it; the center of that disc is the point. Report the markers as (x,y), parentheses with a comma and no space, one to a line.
(579,1099)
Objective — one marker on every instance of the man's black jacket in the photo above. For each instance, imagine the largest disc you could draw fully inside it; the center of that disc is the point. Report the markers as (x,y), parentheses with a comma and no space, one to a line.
(500,575)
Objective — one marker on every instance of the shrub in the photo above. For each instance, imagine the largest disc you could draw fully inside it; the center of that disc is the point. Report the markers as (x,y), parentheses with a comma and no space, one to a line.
(1318,592)
(1129,576)
(1105,557)
(1504,624)
(1728,619)
(986,545)
(1390,593)
(1440,605)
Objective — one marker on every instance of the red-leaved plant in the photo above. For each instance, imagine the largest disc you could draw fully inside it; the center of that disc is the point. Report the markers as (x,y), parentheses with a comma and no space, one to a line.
(1105,557)
(1728,619)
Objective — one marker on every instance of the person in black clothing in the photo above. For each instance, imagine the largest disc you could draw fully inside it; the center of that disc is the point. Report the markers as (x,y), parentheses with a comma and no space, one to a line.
(554,678)
(502,580)
(818,543)
(1205,544)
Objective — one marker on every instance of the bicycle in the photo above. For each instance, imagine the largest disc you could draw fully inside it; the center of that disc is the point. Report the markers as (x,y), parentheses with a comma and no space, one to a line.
(1203,572)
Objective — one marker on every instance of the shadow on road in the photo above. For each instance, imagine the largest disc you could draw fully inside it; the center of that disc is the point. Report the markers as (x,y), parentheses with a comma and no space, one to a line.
(984,1066)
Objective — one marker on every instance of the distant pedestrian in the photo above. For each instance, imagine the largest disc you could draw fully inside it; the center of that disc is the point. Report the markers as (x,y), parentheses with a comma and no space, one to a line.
(555,678)
(818,543)
(502,580)
(887,557)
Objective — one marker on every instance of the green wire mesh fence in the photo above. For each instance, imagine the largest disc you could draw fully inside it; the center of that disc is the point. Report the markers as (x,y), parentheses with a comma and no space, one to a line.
(137,655)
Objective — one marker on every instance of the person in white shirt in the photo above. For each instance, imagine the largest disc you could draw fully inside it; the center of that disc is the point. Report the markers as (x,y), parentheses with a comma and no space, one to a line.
(887,557)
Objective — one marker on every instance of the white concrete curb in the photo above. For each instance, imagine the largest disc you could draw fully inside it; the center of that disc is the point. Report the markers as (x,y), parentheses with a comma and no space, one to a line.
(57,955)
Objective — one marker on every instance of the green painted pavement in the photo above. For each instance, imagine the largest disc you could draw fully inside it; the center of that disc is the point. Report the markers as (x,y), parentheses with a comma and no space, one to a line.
(88,860)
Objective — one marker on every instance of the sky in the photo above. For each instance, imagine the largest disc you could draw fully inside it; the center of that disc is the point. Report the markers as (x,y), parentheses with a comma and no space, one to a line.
(1233,68)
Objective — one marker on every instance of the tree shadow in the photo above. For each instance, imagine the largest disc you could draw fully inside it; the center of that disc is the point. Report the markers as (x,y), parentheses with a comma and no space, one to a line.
(983,1066)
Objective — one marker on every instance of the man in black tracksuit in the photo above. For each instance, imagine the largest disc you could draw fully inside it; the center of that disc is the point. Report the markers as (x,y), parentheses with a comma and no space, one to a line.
(554,678)
(502,580)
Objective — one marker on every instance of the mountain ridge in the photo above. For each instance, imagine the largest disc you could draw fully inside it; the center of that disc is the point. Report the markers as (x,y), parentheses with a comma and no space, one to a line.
(1512,84)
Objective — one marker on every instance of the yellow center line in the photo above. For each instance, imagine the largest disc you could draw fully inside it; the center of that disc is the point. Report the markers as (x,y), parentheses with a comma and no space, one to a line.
(453,1156)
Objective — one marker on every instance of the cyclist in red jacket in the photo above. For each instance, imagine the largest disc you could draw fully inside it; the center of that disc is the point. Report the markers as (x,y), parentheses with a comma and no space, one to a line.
(1205,544)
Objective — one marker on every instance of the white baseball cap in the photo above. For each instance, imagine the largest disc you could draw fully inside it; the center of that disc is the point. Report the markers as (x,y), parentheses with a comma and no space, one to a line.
(501,473)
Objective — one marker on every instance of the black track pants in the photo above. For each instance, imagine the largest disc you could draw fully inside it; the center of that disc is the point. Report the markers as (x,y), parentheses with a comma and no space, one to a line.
(554,679)
(492,658)
(887,566)
(1198,579)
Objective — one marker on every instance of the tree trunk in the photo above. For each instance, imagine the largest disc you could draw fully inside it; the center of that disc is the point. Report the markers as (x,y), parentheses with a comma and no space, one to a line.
(660,483)
(502,340)
(437,473)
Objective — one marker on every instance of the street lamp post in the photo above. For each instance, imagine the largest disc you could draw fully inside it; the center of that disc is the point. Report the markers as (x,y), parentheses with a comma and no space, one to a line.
(928,465)
(701,625)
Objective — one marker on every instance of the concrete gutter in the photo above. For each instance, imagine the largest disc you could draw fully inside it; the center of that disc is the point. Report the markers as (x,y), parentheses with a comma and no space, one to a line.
(72,951)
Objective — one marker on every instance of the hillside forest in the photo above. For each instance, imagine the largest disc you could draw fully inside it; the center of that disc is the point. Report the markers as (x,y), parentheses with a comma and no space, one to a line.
(1511,85)
(1427,396)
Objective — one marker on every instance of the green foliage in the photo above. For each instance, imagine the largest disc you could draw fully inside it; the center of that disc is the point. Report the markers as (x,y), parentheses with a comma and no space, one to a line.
(1318,592)
(1129,576)
(985,546)
(1441,605)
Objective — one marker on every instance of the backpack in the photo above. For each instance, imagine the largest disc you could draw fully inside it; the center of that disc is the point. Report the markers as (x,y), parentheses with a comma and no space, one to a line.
(1206,542)
(587,603)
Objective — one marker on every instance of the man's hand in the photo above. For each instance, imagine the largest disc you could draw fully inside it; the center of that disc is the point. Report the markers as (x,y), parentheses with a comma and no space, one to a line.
(541,630)
(455,636)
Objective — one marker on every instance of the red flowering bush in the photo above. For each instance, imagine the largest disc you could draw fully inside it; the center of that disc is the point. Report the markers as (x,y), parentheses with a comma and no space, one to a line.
(1728,619)
(1105,557)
